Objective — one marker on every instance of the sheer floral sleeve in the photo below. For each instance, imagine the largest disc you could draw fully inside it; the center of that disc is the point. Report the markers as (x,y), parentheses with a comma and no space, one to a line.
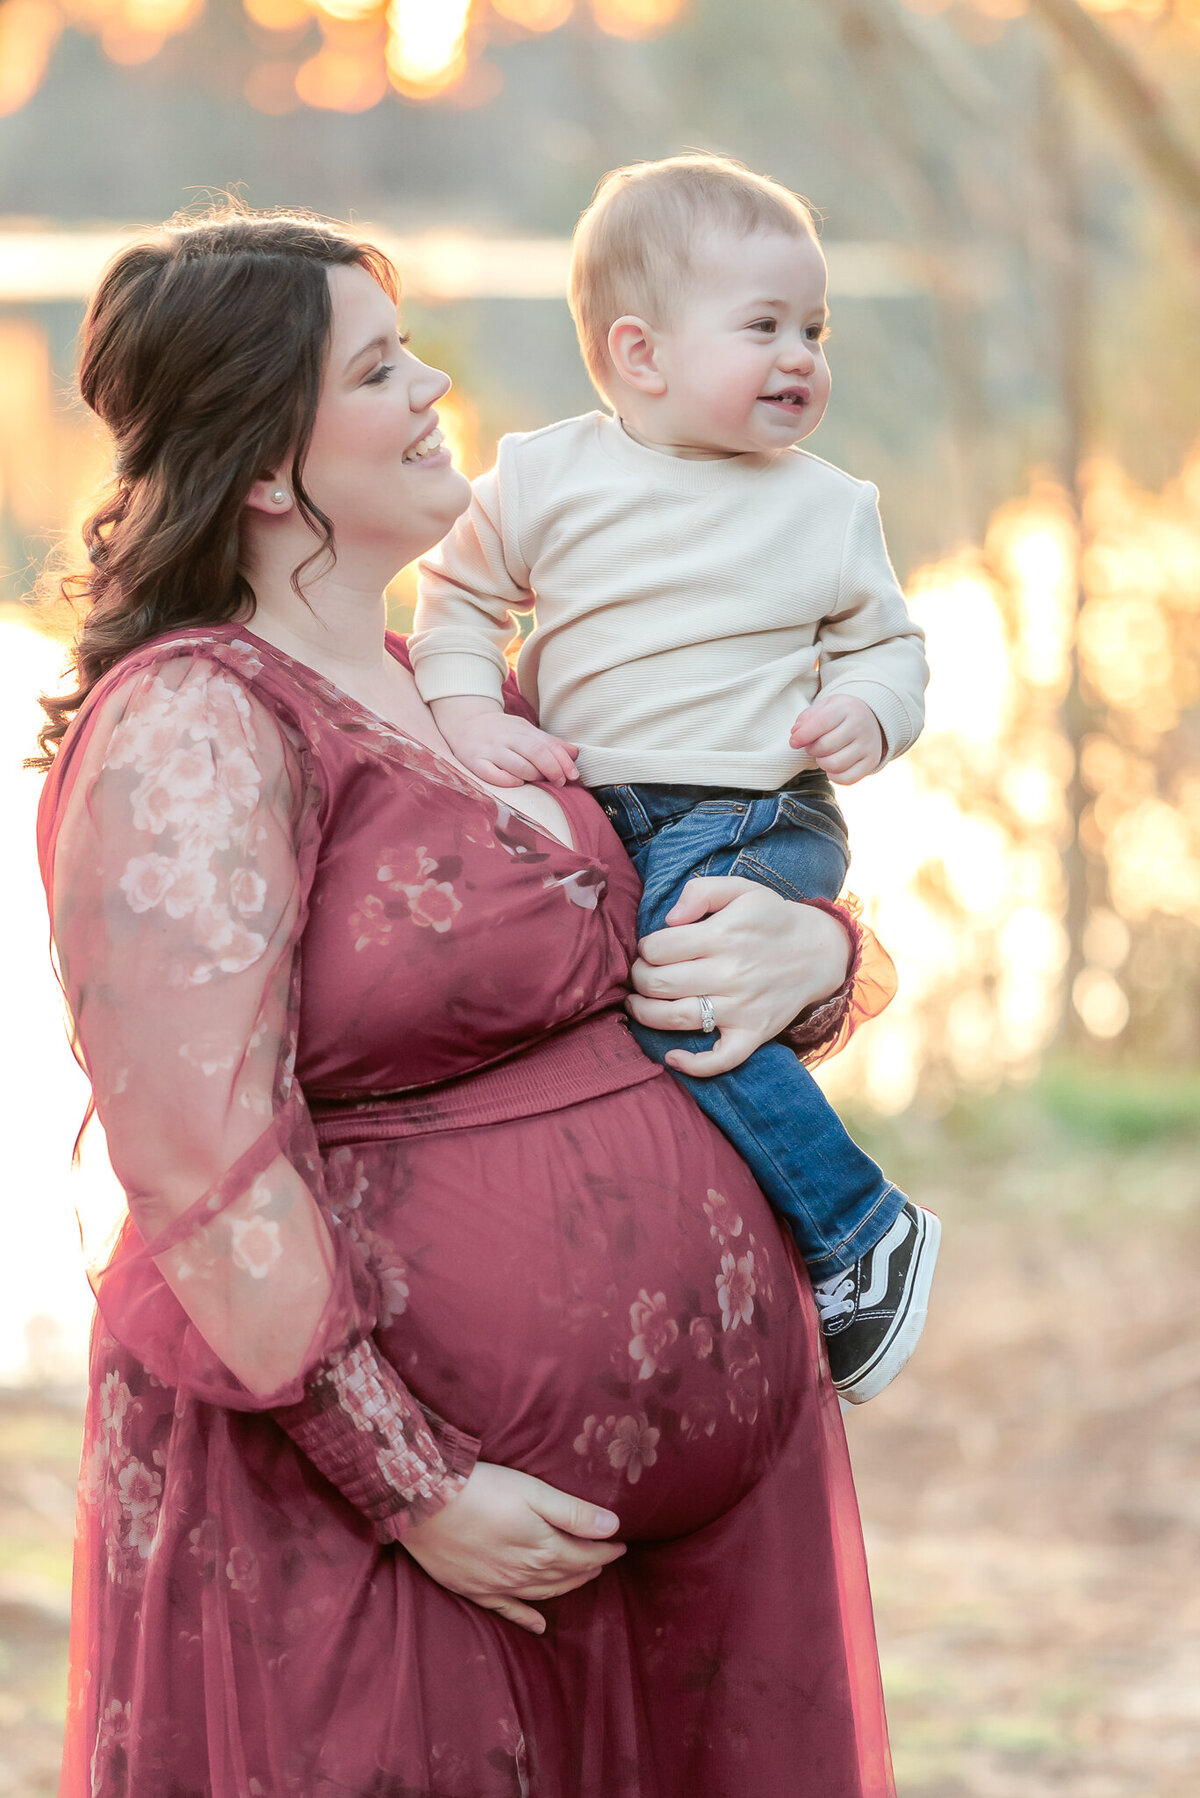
(179,837)
(868,988)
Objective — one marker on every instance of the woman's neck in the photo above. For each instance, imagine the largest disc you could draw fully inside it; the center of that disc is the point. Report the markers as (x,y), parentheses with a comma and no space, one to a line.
(338,634)
(337,627)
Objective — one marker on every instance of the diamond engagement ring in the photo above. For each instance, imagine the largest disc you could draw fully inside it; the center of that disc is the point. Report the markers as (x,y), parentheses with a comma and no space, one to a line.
(708,1021)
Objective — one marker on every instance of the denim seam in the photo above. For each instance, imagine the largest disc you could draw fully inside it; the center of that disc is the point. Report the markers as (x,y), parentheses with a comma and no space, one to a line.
(853,1236)
(810,819)
(767,876)
(641,831)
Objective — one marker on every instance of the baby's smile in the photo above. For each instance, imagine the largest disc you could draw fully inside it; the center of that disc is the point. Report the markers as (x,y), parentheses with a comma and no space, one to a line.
(788,399)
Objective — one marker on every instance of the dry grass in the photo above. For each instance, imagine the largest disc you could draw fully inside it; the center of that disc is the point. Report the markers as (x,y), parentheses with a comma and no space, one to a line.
(1029,1487)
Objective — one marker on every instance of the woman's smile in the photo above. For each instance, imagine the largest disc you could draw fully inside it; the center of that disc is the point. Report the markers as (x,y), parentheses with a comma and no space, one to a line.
(430,448)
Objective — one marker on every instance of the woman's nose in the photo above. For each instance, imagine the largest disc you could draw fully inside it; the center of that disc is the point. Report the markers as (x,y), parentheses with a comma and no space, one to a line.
(426,386)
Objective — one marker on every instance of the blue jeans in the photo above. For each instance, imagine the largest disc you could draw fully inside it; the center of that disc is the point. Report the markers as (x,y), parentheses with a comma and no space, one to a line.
(836,1200)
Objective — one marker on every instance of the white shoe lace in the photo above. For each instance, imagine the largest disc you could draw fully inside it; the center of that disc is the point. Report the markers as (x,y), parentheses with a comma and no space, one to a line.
(834,1296)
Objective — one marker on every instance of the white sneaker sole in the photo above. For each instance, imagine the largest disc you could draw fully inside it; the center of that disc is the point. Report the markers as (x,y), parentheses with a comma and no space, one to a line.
(896,1350)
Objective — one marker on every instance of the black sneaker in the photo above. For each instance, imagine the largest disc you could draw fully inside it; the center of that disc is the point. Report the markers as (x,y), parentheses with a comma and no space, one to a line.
(872,1313)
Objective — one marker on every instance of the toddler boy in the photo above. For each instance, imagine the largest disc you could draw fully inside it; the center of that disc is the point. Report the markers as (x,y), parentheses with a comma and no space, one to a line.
(719,633)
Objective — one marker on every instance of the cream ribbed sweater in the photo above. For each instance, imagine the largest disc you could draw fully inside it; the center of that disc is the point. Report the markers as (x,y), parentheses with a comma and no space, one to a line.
(681,606)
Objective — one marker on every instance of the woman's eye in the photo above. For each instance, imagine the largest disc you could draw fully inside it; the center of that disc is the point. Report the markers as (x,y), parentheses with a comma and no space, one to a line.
(380,375)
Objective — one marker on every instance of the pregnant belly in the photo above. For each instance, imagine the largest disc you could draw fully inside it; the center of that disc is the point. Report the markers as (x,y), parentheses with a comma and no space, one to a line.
(601,1295)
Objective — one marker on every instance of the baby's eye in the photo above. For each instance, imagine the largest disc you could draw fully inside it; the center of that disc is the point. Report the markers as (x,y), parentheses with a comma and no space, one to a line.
(767,326)
(817,333)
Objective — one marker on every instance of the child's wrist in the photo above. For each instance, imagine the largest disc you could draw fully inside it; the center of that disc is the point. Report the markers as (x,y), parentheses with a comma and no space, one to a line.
(461,708)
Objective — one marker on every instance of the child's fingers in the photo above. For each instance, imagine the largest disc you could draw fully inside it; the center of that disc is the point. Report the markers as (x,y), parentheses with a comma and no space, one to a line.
(813,721)
(516,766)
(837,736)
(545,764)
(493,773)
(837,761)
(841,761)
(857,771)
(558,760)
(566,753)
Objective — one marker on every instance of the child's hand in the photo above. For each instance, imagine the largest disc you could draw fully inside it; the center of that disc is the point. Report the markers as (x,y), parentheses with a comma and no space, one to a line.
(501,749)
(842,735)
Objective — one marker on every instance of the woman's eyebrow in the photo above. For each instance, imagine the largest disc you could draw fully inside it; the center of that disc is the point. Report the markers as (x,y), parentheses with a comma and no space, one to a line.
(376,345)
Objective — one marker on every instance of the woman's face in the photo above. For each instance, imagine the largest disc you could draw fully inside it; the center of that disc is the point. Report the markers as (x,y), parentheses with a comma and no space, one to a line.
(375,465)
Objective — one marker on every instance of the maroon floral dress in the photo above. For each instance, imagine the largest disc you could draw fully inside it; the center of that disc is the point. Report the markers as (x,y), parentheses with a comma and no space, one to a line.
(354,1033)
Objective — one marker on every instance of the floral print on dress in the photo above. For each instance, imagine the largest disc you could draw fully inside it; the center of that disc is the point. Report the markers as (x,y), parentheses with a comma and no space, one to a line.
(629,1443)
(242,1572)
(736,1289)
(710,1344)
(199,787)
(112,1733)
(724,1223)
(655,1333)
(422,893)
(120,1486)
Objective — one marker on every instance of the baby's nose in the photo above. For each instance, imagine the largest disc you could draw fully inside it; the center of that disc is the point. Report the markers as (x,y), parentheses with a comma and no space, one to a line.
(798,356)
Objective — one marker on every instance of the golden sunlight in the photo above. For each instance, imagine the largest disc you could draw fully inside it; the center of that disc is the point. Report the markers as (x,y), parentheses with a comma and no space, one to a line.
(535,15)
(419,48)
(635,18)
(426,45)
(45,1304)
(29,30)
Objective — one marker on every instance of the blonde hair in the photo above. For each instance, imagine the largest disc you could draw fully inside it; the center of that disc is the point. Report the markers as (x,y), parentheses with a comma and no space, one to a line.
(633,247)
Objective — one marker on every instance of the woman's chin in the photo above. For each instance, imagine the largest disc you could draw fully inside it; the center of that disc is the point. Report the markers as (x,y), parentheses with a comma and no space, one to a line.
(445,498)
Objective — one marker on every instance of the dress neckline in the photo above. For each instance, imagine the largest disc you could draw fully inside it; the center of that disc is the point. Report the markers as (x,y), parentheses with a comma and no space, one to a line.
(398,650)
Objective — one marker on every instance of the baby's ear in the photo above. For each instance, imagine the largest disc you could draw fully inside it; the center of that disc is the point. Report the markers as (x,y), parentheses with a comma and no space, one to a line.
(634,356)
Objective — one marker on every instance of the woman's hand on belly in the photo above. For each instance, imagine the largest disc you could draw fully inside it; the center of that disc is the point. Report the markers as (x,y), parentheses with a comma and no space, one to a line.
(507,1537)
(758,958)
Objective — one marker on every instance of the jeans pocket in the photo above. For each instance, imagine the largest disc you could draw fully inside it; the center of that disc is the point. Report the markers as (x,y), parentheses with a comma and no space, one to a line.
(807,812)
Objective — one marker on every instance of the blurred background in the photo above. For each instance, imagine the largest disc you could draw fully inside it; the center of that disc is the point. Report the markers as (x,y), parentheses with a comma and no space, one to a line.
(1010,192)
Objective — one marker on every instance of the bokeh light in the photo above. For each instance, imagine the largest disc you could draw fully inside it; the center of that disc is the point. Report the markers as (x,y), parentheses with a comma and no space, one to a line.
(418,49)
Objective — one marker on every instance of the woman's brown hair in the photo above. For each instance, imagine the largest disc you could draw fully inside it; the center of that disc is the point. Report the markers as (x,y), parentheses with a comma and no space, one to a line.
(202,352)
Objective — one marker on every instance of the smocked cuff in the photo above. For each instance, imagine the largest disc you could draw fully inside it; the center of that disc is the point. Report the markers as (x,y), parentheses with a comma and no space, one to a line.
(395,1461)
(869,987)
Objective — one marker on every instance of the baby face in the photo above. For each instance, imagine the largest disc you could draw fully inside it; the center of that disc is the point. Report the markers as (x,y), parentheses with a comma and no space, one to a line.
(743,360)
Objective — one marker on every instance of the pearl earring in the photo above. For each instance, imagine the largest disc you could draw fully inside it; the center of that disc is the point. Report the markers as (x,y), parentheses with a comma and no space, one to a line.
(279,496)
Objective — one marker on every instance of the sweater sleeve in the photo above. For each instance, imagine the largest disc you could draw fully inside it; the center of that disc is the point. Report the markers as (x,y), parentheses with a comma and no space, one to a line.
(870,647)
(469,589)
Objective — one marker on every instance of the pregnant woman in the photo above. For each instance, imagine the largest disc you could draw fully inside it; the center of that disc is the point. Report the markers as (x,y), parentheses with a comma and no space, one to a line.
(457,1419)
